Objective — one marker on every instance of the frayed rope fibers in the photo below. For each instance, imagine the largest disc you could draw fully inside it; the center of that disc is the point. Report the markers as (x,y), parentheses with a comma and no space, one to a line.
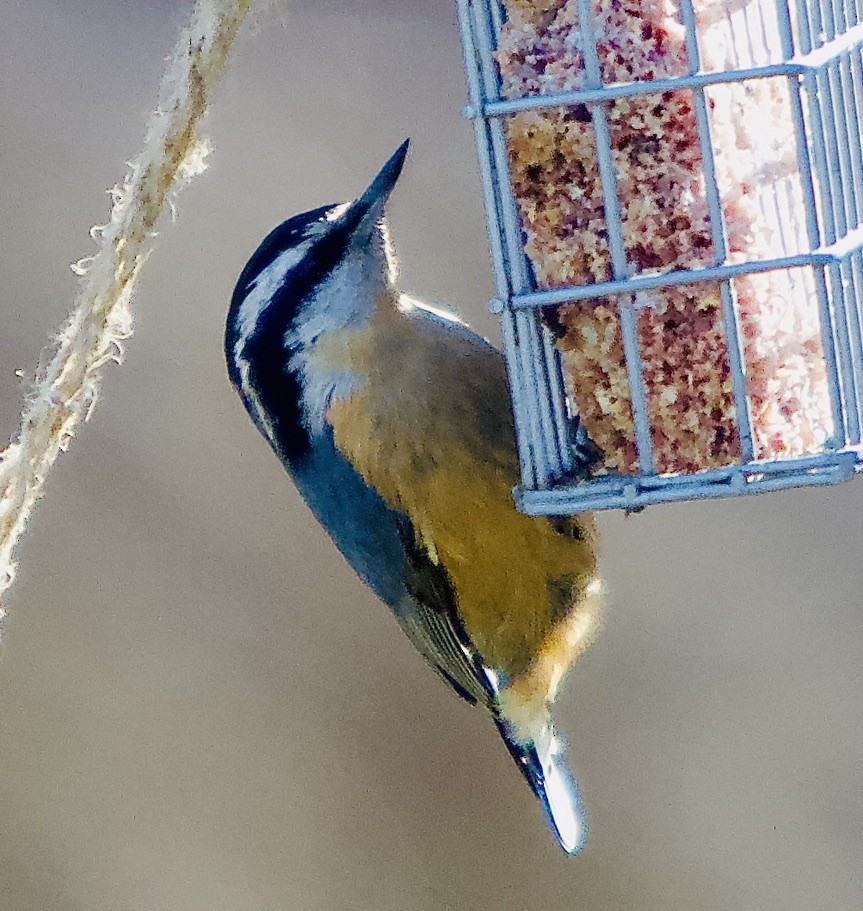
(67,383)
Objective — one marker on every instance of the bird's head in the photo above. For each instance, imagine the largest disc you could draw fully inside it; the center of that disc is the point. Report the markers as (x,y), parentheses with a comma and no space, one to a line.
(316,271)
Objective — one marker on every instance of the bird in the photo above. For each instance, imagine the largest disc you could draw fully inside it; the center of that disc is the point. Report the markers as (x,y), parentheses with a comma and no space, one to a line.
(393,418)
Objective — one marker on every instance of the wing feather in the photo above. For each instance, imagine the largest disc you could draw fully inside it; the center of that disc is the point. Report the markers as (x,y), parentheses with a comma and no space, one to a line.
(431,621)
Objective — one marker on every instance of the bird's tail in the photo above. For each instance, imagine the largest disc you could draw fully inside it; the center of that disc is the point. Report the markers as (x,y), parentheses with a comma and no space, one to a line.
(542,761)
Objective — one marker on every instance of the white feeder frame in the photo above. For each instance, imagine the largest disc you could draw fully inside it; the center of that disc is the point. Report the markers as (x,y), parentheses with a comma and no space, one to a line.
(821,59)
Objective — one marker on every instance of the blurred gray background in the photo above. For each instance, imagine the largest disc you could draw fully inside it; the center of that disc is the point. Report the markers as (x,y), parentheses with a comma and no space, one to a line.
(200,706)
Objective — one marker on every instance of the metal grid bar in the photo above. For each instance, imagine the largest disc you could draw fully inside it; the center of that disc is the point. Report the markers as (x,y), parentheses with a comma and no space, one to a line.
(852,161)
(825,145)
(813,226)
(824,73)
(558,398)
(838,220)
(816,20)
(593,95)
(619,265)
(720,242)
(826,257)
(527,359)
(519,389)
(549,462)
(625,493)
(851,77)
(851,294)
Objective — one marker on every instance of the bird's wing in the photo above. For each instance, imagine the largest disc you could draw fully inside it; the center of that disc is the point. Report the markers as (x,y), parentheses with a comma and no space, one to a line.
(385,550)
(432,623)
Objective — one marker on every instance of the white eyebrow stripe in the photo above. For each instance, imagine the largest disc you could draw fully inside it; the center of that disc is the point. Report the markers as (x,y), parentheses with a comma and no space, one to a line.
(263,288)
(260,293)
(254,400)
(337,211)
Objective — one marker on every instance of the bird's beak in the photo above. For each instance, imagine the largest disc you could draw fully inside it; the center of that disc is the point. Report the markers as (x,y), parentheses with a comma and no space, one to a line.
(370,206)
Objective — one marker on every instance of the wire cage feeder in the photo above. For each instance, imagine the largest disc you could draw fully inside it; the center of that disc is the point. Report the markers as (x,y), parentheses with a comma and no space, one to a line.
(805,267)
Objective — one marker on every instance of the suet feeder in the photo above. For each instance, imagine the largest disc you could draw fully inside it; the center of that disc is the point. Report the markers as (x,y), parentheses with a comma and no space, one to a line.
(674,192)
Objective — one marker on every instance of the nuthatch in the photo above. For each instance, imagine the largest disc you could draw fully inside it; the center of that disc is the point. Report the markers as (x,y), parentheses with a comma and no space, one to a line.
(394,420)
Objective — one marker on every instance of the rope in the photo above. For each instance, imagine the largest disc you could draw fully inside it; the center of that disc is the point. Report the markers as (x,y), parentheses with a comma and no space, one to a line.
(70,373)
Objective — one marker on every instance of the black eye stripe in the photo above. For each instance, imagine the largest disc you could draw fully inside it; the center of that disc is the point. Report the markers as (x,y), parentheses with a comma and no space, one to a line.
(286,235)
(268,373)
